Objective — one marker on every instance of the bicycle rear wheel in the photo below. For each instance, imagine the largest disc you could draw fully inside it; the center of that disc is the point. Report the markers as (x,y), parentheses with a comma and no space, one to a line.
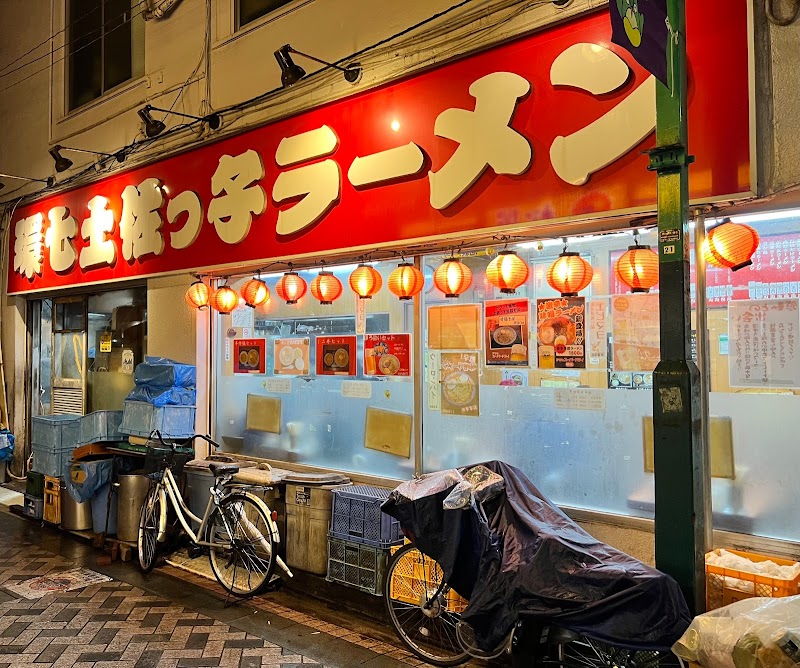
(148,529)
(242,553)
(426,623)
(593,654)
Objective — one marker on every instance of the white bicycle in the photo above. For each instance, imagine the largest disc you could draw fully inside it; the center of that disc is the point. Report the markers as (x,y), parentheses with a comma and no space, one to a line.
(238,528)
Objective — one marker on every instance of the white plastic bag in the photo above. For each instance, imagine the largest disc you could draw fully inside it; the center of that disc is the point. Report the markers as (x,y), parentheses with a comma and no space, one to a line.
(746,634)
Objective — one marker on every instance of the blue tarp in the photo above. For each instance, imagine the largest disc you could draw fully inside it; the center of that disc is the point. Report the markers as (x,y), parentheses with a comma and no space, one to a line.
(6,445)
(98,473)
(163,373)
(171,396)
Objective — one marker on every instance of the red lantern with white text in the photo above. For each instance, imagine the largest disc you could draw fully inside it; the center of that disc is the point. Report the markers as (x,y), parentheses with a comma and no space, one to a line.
(291,287)
(730,245)
(406,281)
(326,287)
(197,295)
(224,300)
(365,281)
(569,274)
(507,271)
(452,277)
(255,292)
(638,268)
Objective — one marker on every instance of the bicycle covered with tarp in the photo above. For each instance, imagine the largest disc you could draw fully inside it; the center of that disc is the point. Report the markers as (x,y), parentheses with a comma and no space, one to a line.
(536,583)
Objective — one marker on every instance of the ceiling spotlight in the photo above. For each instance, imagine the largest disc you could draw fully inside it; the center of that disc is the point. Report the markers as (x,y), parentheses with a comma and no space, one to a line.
(49,181)
(153,127)
(63,164)
(291,72)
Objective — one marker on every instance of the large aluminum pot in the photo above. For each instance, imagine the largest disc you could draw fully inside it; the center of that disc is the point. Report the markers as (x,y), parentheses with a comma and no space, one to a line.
(131,493)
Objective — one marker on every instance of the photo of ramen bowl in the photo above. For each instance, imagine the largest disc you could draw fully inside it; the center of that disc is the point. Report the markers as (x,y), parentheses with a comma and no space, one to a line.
(327,360)
(459,388)
(341,358)
(253,358)
(505,336)
(243,358)
(286,356)
(389,365)
(551,331)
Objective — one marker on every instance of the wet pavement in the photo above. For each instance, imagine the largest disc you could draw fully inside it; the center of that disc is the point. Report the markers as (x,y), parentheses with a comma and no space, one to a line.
(166,618)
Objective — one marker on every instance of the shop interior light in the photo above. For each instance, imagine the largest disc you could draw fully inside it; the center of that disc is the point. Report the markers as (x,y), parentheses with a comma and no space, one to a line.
(255,292)
(507,271)
(49,181)
(406,281)
(730,245)
(154,127)
(63,164)
(569,274)
(638,268)
(452,277)
(291,72)
(326,287)
(223,299)
(197,295)
(291,287)
(365,281)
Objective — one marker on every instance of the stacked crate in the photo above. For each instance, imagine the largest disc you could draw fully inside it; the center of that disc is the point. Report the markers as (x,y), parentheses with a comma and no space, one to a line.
(34,495)
(361,538)
(53,438)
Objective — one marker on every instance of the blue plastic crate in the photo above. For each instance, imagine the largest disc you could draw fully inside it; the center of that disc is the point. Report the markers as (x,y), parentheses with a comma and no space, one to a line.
(48,461)
(141,419)
(357,517)
(55,432)
(101,426)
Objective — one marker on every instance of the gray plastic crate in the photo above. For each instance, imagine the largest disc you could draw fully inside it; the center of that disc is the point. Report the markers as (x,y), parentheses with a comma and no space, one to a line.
(101,426)
(49,461)
(55,431)
(33,508)
(141,419)
(357,565)
(357,516)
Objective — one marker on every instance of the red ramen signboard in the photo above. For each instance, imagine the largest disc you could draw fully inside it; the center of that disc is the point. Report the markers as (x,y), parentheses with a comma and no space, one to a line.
(549,126)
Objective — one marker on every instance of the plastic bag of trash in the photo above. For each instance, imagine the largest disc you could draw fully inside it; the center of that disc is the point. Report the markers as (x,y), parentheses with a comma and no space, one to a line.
(480,484)
(753,633)
(428,484)
(6,445)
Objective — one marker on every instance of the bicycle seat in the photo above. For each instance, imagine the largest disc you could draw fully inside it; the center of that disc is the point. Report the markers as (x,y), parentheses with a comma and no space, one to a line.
(223,469)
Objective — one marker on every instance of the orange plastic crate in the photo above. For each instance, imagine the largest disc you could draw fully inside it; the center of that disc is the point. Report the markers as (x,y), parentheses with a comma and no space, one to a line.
(52,500)
(728,585)
(414,577)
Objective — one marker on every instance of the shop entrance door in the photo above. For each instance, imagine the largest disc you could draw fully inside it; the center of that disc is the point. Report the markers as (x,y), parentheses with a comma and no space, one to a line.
(68,378)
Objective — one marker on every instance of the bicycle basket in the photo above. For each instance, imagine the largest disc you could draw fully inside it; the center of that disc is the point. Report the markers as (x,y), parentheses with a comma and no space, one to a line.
(157,460)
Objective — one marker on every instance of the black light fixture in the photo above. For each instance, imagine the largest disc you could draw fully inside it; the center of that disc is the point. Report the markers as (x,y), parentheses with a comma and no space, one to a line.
(63,164)
(154,127)
(291,72)
(49,181)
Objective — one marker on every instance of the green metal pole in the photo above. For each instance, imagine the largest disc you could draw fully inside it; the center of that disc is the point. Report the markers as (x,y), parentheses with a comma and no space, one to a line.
(680,458)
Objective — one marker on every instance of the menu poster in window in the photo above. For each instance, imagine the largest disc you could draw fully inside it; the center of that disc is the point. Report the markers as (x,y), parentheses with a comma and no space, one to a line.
(292,357)
(249,356)
(506,332)
(598,344)
(456,327)
(763,345)
(336,355)
(460,384)
(635,321)
(561,333)
(387,355)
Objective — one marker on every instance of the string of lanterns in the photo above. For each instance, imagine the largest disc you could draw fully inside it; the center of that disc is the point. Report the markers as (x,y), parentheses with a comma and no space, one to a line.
(728,245)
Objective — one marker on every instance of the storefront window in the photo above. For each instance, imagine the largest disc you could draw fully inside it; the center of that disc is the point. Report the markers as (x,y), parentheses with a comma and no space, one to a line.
(292,382)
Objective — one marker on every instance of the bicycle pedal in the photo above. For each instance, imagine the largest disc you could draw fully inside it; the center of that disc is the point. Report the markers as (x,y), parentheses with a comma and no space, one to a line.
(194,551)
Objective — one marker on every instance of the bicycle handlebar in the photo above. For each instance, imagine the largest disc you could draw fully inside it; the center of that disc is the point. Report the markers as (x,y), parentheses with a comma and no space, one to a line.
(191,439)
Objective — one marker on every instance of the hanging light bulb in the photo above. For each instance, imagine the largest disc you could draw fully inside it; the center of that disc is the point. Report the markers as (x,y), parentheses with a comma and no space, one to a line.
(255,292)
(291,287)
(638,268)
(406,281)
(507,271)
(224,300)
(197,295)
(569,274)
(326,287)
(452,277)
(730,245)
(365,281)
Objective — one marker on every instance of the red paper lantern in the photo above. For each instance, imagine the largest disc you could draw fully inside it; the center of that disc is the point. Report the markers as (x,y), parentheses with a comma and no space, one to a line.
(291,287)
(569,274)
(255,292)
(197,295)
(730,245)
(365,281)
(452,277)
(406,281)
(224,300)
(638,268)
(326,288)
(507,271)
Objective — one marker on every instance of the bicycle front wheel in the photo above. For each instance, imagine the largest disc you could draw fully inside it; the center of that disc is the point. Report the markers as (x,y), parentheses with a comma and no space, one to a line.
(148,529)
(425,622)
(242,552)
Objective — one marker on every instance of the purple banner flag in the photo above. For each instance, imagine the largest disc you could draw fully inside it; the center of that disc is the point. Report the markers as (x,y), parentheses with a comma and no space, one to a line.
(642,28)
